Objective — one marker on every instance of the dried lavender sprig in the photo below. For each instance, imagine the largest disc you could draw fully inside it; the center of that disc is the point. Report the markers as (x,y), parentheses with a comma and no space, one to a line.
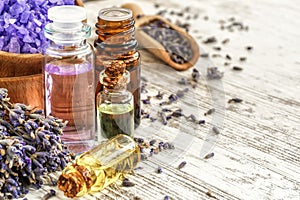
(30,146)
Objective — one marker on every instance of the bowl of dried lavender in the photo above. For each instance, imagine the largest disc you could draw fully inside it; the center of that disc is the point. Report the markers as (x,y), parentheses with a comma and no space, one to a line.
(167,41)
(21,44)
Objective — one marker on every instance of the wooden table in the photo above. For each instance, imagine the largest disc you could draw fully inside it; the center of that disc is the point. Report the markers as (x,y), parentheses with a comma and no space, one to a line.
(256,154)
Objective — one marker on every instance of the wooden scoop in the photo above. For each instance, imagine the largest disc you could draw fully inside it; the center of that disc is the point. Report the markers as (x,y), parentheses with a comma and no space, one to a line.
(153,45)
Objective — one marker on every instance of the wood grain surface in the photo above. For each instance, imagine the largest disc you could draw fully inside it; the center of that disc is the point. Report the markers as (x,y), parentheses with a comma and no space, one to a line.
(256,154)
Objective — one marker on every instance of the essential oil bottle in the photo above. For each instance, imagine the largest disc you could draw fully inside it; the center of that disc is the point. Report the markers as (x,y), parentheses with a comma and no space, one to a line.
(99,167)
(116,41)
(69,76)
(115,109)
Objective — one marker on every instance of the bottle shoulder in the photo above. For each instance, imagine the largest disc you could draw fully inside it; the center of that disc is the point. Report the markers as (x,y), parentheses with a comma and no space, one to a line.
(67,51)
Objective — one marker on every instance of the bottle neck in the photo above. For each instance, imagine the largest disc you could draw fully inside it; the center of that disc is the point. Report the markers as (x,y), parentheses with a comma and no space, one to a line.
(67,37)
(70,46)
(115,35)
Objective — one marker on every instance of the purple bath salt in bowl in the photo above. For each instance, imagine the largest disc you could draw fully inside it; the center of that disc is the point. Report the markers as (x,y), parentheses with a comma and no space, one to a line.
(22,23)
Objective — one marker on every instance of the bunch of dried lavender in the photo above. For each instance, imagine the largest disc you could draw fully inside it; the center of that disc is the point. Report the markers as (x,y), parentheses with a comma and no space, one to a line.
(30,147)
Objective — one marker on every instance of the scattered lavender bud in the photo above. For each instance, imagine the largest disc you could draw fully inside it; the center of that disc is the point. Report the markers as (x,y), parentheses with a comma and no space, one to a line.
(168,117)
(143,89)
(147,101)
(182,164)
(152,142)
(215,55)
(180,93)
(249,48)
(156,5)
(201,122)
(177,113)
(214,73)
(147,115)
(50,194)
(166,145)
(138,168)
(215,130)
(183,81)
(192,117)
(237,68)
(210,111)
(166,110)
(173,98)
(217,48)
(195,75)
(164,118)
(228,57)
(143,156)
(226,63)
(151,152)
(171,146)
(159,170)
(231,19)
(209,193)
(204,55)
(186,89)
(225,41)
(139,140)
(210,155)
(210,40)
(235,100)
(152,119)
(159,95)
(242,59)
(166,197)
(127,183)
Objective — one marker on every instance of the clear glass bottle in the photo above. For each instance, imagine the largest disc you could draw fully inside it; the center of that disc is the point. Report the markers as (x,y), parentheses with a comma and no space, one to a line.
(115,109)
(69,75)
(99,167)
(116,41)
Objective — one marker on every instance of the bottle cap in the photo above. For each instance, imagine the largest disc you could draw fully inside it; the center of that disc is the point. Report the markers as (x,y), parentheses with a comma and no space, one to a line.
(67,17)
(115,14)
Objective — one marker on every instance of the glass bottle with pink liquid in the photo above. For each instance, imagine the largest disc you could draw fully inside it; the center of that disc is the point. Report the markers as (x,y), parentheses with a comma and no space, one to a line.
(69,75)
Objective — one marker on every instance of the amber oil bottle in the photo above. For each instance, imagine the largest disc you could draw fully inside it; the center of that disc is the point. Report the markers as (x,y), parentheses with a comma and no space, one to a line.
(116,41)
(99,167)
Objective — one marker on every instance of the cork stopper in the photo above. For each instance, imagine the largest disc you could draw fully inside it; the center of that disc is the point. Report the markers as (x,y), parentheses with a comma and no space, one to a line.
(75,181)
(114,76)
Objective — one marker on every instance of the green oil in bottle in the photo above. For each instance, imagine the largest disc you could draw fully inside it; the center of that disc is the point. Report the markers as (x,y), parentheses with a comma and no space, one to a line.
(116,119)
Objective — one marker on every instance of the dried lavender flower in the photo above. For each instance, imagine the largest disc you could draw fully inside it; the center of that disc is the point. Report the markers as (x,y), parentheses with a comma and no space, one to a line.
(209,40)
(235,100)
(195,75)
(152,142)
(50,194)
(237,68)
(214,73)
(210,155)
(215,130)
(182,164)
(183,81)
(210,111)
(159,170)
(201,122)
(127,183)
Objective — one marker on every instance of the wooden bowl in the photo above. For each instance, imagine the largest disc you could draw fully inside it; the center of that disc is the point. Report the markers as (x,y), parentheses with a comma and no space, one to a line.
(22,75)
